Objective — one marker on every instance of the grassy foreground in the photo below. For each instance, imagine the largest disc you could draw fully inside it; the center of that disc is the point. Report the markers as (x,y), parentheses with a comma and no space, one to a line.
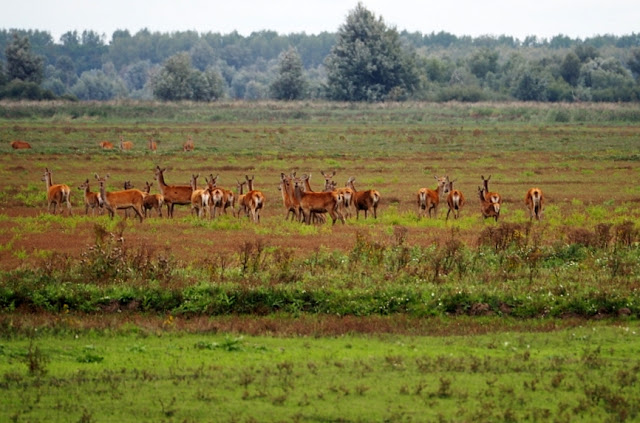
(585,373)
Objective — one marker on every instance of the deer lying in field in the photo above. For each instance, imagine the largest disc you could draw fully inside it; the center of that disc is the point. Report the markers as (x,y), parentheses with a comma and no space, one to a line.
(127,199)
(455,201)
(152,201)
(188,145)
(20,145)
(364,200)
(91,199)
(106,145)
(199,198)
(488,208)
(317,202)
(429,199)
(534,200)
(172,194)
(125,145)
(56,193)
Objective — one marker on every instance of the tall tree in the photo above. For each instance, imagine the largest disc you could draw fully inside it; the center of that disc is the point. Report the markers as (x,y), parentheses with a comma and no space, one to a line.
(21,63)
(290,83)
(368,62)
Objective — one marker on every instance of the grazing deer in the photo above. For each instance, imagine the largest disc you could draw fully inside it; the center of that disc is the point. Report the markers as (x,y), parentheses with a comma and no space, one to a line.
(173,194)
(20,145)
(106,145)
(153,146)
(429,199)
(199,197)
(125,145)
(112,201)
(364,200)
(455,201)
(253,200)
(91,199)
(56,194)
(492,197)
(188,145)
(488,208)
(534,200)
(317,202)
(152,201)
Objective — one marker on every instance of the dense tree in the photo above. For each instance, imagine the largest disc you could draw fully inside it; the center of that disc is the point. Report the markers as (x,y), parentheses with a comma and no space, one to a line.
(531,86)
(97,85)
(290,83)
(570,68)
(483,62)
(22,64)
(368,63)
(178,80)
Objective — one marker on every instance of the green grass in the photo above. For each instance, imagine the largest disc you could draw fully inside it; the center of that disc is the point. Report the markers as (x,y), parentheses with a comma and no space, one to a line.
(578,374)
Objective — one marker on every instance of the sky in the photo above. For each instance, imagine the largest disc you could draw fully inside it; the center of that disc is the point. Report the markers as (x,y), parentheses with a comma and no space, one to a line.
(542,18)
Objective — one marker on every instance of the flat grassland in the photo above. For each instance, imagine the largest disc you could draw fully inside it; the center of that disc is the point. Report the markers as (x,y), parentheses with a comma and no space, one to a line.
(519,291)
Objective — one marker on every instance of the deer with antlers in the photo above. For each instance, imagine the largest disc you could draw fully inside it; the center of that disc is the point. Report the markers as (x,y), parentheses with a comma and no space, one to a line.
(152,201)
(455,200)
(253,201)
(125,145)
(364,200)
(91,199)
(56,193)
(20,145)
(172,194)
(429,199)
(534,200)
(188,144)
(127,199)
(199,197)
(317,202)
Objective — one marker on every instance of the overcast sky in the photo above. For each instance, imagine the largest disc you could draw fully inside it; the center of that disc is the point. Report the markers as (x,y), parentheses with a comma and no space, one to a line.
(543,18)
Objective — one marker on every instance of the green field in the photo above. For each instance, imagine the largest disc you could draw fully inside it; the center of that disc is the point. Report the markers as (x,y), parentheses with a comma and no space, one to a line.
(399,318)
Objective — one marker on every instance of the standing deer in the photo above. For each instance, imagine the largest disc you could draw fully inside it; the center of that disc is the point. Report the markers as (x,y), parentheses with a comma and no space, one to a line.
(317,202)
(346,193)
(455,201)
(91,199)
(112,201)
(56,194)
(153,146)
(289,201)
(125,145)
(173,194)
(20,145)
(253,200)
(241,195)
(429,199)
(106,145)
(127,185)
(534,200)
(488,208)
(228,198)
(188,145)
(364,200)
(152,201)
(199,198)
(492,197)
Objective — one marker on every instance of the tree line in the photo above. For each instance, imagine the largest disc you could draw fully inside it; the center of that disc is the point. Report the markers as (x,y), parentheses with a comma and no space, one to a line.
(365,60)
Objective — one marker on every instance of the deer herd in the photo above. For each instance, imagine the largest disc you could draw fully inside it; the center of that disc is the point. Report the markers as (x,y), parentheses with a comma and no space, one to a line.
(300,201)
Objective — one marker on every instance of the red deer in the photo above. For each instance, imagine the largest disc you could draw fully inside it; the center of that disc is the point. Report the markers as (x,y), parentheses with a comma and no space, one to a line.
(455,201)
(492,197)
(317,202)
(188,145)
(199,197)
(318,217)
(173,194)
(125,145)
(152,201)
(429,199)
(253,200)
(364,200)
(20,145)
(228,198)
(56,194)
(534,200)
(153,146)
(91,199)
(346,193)
(488,208)
(241,203)
(106,145)
(288,197)
(112,201)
